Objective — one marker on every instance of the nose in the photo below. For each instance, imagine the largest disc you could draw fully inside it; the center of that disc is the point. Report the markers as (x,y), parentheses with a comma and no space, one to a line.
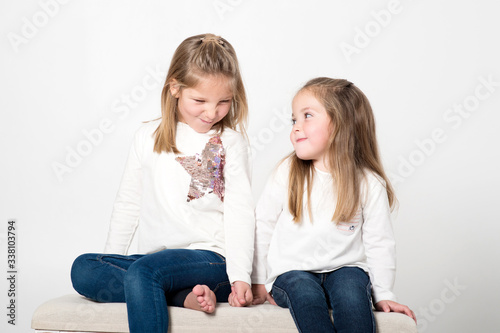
(211,112)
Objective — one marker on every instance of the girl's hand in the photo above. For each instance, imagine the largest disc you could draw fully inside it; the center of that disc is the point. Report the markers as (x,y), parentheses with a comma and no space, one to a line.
(241,294)
(260,295)
(390,306)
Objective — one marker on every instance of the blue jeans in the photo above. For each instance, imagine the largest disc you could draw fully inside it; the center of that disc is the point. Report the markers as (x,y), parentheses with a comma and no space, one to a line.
(147,283)
(309,296)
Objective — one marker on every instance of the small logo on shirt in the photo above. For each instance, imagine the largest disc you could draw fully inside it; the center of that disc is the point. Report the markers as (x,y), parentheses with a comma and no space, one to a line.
(348,228)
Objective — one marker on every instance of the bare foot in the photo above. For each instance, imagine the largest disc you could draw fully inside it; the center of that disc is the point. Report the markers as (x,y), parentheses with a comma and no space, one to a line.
(201,299)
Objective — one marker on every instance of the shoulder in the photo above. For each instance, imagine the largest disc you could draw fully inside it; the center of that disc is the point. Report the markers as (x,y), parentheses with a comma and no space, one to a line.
(279,174)
(371,179)
(148,128)
(372,184)
(144,136)
(146,131)
(232,138)
(283,166)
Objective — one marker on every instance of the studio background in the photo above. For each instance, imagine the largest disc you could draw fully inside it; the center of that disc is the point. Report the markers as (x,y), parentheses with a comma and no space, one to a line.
(79,77)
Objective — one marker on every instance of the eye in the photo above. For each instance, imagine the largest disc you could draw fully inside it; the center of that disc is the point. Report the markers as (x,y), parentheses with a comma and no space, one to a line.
(293,121)
(199,101)
(225,101)
(307,115)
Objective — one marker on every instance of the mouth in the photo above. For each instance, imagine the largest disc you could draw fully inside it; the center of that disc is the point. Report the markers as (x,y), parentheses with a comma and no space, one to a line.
(206,121)
(300,140)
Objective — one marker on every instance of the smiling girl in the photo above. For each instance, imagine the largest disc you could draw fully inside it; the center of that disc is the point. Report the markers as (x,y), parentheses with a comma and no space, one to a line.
(324,238)
(185,193)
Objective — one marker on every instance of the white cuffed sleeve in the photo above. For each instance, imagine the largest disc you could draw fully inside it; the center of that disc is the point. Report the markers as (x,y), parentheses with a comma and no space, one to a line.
(126,209)
(378,239)
(239,215)
(269,208)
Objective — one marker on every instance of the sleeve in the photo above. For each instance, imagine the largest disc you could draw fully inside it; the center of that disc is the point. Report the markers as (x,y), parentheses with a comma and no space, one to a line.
(239,215)
(378,239)
(126,209)
(269,208)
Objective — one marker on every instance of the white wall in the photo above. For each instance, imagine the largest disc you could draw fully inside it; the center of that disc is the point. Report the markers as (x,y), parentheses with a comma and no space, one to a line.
(68,67)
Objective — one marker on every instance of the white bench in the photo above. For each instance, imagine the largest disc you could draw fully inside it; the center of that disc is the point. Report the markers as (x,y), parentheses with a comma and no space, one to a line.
(74,313)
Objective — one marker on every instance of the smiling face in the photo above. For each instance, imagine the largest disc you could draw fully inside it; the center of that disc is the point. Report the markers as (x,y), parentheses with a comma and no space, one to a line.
(204,105)
(312,129)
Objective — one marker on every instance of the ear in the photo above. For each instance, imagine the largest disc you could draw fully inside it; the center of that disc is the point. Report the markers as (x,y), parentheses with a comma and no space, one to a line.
(174,88)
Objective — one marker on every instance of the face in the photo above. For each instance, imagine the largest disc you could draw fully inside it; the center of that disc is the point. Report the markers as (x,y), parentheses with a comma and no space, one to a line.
(311,130)
(205,104)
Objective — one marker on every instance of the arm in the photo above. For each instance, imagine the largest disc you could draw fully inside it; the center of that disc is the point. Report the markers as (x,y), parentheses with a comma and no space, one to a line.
(267,213)
(239,217)
(378,239)
(379,243)
(126,209)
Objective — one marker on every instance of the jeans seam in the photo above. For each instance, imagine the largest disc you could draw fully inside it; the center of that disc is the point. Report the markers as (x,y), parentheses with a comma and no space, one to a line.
(289,307)
(220,256)
(100,258)
(369,295)
(225,283)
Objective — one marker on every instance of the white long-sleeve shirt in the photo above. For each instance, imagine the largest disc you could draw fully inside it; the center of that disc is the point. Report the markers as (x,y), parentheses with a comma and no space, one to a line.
(199,199)
(367,241)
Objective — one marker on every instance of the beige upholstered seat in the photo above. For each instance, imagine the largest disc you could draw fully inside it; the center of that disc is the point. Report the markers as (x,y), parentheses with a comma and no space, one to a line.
(74,313)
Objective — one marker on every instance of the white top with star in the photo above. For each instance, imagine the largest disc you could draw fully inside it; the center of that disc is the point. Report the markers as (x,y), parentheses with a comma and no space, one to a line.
(156,202)
(367,241)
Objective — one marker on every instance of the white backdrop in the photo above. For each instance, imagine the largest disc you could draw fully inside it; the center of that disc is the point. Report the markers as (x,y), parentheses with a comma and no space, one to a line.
(79,77)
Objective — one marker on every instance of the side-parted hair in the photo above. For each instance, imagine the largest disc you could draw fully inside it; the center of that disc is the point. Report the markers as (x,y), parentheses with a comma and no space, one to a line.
(353,149)
(195,58)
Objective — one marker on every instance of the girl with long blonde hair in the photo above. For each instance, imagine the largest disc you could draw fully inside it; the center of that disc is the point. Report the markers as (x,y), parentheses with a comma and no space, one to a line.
(185,194)
(323,235)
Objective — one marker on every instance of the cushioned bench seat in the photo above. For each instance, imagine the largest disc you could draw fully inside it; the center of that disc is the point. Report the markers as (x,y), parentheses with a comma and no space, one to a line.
(74,313)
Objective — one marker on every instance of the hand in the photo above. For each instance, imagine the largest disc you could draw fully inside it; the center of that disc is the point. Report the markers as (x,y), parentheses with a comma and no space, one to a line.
(260,295)
(390,306)
(241,294)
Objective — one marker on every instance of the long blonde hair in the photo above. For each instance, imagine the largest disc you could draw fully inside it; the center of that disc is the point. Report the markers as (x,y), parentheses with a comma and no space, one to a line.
(353,149)
(197,57)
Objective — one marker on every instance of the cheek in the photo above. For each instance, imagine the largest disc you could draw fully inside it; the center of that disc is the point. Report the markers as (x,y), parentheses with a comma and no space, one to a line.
(191,109)
(224,110)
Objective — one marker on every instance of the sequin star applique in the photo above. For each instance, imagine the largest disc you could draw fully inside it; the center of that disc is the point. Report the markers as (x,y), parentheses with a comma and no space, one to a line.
(206,170)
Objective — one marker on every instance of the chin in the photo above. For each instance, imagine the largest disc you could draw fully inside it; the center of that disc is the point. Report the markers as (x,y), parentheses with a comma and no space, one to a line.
(302,156)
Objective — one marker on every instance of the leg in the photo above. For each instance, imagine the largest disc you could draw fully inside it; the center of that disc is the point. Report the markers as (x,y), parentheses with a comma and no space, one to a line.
(100,276)
(349,293)
(303,294)
(151,278)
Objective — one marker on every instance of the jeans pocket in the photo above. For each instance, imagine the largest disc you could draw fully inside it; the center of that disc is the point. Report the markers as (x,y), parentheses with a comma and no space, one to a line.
(221,257)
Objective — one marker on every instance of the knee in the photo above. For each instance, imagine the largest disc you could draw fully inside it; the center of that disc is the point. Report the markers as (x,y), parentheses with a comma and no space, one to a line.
(353,286)
(81,272)
(299,282)
(295,277)
(136,276)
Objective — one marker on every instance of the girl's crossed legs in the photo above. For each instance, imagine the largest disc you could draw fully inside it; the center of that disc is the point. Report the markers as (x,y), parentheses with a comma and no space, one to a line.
(148,282)
(309,296)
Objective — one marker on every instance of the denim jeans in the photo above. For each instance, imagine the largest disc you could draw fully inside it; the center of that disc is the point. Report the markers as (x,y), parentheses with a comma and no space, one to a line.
(309,296)
(147,283)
